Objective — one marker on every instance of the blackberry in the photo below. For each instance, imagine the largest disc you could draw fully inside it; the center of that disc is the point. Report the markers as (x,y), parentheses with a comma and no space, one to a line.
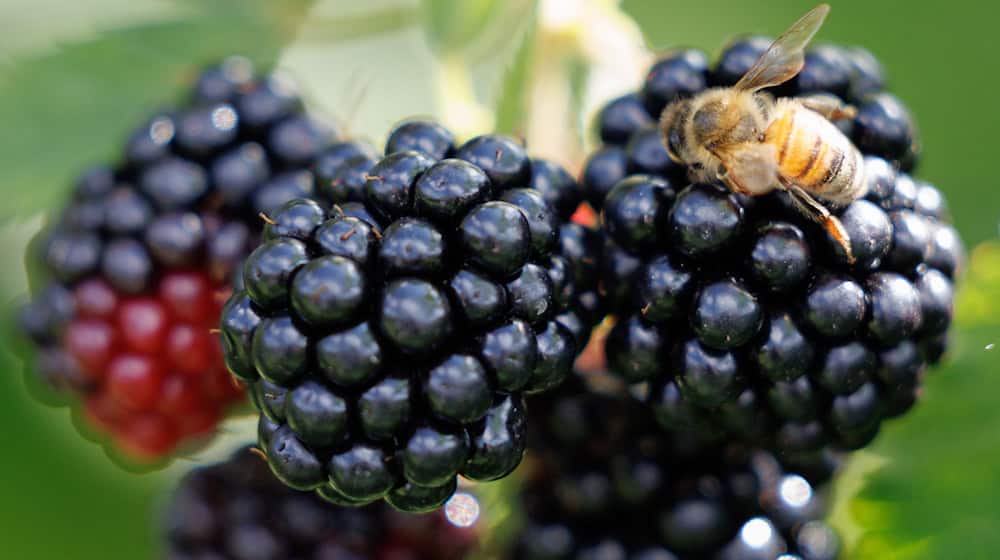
(388,332)
(621,117)
(606,483)
(138,264)
(743,317)
(828,69)
(679,74)
(884,128)
(737,57)
(237,509)
(603,170)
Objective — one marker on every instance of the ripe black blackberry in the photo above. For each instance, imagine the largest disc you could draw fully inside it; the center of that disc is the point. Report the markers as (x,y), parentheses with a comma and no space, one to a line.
(389,329)
(740,315)
(135,269)
(236,509)
(606,483)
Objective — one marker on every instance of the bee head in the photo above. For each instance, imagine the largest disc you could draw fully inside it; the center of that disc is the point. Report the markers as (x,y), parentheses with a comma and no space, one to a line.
(707,122)
(726,119)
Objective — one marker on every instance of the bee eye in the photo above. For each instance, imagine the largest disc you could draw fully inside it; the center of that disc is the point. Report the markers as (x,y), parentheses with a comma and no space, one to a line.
(675,139)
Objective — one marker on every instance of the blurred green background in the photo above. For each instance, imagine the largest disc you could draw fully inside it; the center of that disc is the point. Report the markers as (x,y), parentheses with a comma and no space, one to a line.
(75,76)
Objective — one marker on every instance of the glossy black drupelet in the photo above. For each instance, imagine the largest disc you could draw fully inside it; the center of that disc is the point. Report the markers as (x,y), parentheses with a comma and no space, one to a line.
(388,331)
(236,509)
(607,483)
(885,129)
(741,315)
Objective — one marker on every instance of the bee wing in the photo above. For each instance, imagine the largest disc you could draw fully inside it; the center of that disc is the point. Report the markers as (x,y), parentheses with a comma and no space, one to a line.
(784,58)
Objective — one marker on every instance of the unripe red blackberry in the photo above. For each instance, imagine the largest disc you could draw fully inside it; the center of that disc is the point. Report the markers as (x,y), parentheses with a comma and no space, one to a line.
(137,266)
(237,509)
(389,330)
(742,316)
(607,483)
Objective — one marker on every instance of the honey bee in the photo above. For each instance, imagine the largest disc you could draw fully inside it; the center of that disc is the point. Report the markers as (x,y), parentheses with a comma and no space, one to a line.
(755,144)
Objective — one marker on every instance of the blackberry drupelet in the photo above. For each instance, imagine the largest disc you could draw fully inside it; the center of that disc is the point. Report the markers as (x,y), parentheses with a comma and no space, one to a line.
(606,483)
(742,316)
(137,266)
(236,509)
(388,331)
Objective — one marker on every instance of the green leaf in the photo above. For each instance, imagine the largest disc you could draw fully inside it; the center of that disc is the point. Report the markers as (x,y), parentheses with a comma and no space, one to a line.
(475,30)
(25,28)
(512,100)
(67,109)
(936,494)
(454,24)
(979,303)
(14,239)
(372,81)
(351,25)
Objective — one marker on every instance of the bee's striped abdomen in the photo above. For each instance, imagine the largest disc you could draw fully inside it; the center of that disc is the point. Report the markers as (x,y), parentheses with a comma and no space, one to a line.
(815,155)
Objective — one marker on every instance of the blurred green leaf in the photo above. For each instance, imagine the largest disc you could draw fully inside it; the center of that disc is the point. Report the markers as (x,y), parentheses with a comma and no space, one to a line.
(70,108)
(29,25)
(512,100)
(474,29)
(344,28)
(453,24)
(579,72)
(935,495)
(371,81)
(14,239)
(979,303)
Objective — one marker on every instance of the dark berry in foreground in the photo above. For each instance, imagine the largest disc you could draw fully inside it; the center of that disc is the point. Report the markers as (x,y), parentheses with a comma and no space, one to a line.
(389,340)
(704,219)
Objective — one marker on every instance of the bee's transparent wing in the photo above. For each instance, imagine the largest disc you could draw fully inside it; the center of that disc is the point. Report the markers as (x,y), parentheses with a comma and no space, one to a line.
(784,58)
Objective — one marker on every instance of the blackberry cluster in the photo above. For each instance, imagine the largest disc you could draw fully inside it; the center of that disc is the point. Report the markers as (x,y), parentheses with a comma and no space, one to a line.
(608,484)
(389,327)
(237,510)
(742,315)
(136,268)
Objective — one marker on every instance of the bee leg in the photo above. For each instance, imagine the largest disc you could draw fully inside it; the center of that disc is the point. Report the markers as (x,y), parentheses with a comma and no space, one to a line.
(749,169)
(829,106)
(732,181)
(813,209)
